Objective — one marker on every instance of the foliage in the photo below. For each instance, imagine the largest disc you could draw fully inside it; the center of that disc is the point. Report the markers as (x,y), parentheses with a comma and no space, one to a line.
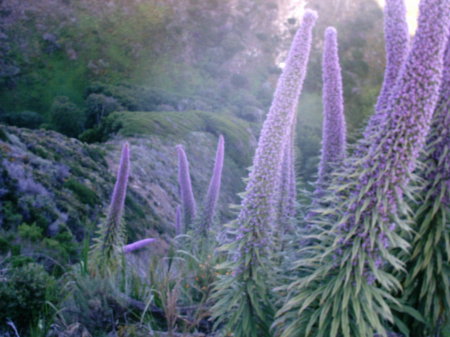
(96,303)
(84,193)
(99,106)
(24,119)
(66,117)
(25,291)
(427,284)
(31,232)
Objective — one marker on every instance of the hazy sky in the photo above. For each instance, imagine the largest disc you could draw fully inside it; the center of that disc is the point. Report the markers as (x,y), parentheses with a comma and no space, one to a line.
(412,7)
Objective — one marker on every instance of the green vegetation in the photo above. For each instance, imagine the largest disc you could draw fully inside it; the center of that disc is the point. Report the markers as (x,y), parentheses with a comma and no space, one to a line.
(84,193)
(30,232)
(25,293)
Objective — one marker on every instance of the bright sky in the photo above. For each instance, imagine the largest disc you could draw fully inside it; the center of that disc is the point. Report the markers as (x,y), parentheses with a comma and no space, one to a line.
(412,8)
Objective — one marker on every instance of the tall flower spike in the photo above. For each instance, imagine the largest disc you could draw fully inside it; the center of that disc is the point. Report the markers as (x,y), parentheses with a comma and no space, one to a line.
(245,286)
(187,196)
(350,271)
(258,206)
(214,187)
(427,288)
(396,36)
(108,248)
(333,128)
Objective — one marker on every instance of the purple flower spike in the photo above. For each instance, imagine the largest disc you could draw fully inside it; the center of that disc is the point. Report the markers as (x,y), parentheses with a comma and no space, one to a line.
(137,245)
(258,205)
(178,221)
(333,128)
(120,188)
(414,97)
(396,36)
(187,196)
(253,231)
(109,245)
(214,186)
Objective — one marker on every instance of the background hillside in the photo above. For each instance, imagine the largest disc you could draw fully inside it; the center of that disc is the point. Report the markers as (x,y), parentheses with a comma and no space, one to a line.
(157,73)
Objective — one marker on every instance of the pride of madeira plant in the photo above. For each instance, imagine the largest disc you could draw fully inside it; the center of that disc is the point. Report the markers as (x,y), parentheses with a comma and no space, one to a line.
(107,251)
(427,286)
(346,283)
(243,293)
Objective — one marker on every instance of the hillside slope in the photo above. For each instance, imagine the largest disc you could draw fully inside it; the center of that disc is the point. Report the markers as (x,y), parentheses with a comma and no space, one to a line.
(55,190)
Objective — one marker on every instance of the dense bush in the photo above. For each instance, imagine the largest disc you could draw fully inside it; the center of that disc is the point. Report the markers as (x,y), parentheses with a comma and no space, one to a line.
(99,106)
(25,119)
(66,117)
(24,291)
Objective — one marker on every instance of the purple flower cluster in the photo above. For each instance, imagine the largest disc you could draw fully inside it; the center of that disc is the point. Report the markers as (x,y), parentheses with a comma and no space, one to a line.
(214,186)
(334,128)
(187,196)
(259,204)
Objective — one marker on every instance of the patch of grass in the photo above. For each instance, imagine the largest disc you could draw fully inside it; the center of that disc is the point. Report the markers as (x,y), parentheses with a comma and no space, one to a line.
(83,193)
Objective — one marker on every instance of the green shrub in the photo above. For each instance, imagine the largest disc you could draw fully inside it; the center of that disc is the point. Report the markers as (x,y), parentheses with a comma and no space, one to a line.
(93,302)
(83,193)
(94,135)
(11,216)
(24,119)
(99,106)
(24,293)
(66,117)
(31,232)
(62,246)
